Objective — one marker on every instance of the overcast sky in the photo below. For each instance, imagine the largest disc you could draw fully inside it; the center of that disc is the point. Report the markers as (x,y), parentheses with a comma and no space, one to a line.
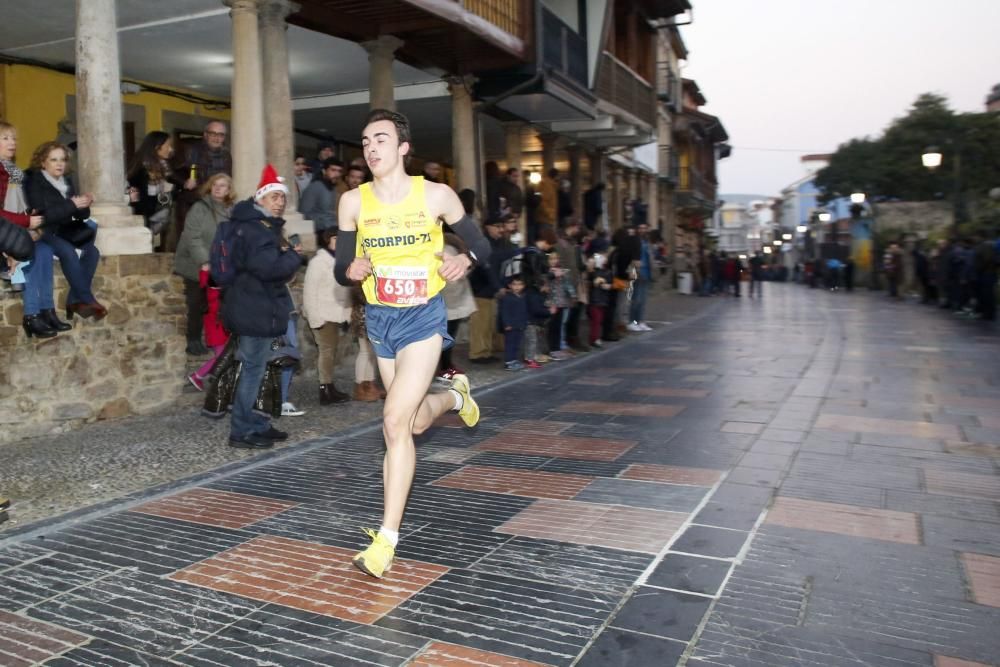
(808,75)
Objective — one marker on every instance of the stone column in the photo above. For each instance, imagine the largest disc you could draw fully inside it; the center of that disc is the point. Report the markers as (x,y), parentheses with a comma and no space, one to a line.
(277,96)
(248,143)
(652,198)
(597,174)
(99,130)
(463,134)
(616,215)
(575,185)
(380,81)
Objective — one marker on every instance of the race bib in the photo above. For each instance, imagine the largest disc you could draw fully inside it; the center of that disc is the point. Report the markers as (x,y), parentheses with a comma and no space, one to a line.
(401,285)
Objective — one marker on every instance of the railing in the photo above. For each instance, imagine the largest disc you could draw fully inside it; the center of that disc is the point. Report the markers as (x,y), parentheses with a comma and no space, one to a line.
(504,14)
(563,49)
(667,88)
(669,165)
(618,84)
(694,190)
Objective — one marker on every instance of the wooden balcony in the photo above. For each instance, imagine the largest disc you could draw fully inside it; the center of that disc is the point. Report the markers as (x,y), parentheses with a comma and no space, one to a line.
(694,192)
(457,36)
(622,87)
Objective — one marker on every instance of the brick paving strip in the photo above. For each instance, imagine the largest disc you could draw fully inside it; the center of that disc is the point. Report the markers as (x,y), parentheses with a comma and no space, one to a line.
(809,506)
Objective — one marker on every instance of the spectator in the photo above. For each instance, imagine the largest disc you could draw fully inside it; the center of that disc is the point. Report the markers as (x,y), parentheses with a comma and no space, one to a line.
(66,230)
(432,171)
(984,262)
(731,271)
(511,195)
(565,201)
(486,288)
(152,181)
(193,250)
(513,321)
(303,175)
(849,274)
(571,259)
(535,271)
(37,293)
(598,281)
(548,208)
(257,305)
(354,177)
(459,303)
(756,275)
(319,201)
(892,266)
(324,152)
(216,335)
(495,205)
(326,305)
(203,160)
(643,279)
(624,253)
(561,296)
(593,206)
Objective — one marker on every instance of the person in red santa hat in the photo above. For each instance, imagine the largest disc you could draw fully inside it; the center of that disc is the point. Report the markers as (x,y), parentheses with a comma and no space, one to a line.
(257,306)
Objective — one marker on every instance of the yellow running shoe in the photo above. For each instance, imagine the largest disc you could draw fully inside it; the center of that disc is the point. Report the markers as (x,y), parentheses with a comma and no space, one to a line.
(470,409)
(376,560)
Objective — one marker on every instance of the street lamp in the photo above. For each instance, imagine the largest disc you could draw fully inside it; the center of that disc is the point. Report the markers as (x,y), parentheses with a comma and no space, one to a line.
(535,178)
(931,157)
(802,229)
(858,197)
(825,215)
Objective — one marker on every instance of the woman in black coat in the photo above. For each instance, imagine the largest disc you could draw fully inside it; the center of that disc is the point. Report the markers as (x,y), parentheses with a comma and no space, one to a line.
(151,181)
(50,193)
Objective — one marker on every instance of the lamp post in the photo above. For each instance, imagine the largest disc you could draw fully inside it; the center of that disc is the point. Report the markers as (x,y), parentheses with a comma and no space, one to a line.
(932,158)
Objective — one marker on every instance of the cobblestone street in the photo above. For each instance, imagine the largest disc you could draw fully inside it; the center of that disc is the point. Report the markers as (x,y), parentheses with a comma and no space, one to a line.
(809,478)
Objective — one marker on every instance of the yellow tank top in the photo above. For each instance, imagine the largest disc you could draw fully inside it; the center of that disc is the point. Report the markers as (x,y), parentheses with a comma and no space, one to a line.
(401,240)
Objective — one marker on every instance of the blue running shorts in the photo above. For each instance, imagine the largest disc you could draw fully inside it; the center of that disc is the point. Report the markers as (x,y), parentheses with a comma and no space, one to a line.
(391,329)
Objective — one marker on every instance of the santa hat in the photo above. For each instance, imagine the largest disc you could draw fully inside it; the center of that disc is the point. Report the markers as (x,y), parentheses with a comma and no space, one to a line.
(269,182)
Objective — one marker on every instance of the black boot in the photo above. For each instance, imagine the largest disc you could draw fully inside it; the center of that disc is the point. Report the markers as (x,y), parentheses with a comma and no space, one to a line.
(49,316)
(35,326)
(328,395)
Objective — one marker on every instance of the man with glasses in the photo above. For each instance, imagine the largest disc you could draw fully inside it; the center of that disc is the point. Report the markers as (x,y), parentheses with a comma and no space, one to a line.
(206,159)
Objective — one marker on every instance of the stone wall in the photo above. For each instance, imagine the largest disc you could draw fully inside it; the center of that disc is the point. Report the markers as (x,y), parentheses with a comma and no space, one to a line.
(132,362)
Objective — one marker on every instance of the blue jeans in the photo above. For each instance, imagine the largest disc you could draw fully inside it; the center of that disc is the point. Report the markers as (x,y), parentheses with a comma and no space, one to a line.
(286,373)
(37,293)
(637,311)
(79,271)
(254,352)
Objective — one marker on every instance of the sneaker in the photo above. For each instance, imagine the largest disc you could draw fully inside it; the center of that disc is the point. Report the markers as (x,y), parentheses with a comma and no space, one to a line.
(634,327)
(598,343)
(531,363)
(376,560)
(513,365)
(199,383)
(470,409)
(645,327)
(289,410)
(543,358)
(4,503)
(559,355)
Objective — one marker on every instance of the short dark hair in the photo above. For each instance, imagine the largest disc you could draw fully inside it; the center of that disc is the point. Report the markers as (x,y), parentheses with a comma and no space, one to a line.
(399,120)
(553,172)
(468,198)
(548,236)
(332,162)
(511,170)
(326,234)
(356,167)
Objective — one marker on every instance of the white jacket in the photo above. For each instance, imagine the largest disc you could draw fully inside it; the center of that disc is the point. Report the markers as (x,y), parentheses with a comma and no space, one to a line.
(323,298)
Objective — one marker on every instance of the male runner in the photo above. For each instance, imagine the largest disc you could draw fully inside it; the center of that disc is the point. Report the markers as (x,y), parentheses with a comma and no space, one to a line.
(391,238)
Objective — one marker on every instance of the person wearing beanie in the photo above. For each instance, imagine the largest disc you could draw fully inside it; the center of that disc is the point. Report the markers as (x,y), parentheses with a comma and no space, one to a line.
(257,306)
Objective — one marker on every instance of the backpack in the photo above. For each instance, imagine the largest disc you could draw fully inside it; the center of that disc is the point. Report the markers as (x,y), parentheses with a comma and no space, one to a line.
(222,256)
(515,264)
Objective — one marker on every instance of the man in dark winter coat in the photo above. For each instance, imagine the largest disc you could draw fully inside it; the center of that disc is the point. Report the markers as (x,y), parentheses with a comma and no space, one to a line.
(256,307)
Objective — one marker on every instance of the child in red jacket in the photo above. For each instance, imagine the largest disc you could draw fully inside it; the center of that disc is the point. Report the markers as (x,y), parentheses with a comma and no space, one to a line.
(216,335)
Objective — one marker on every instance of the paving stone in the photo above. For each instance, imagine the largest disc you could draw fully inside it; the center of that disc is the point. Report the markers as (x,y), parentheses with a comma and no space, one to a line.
(710,541)
(667,614)
(984,578)
(961,535)
(669,497)
(570,447)
(689,573)
(620,648)
(533,484)
(845,519)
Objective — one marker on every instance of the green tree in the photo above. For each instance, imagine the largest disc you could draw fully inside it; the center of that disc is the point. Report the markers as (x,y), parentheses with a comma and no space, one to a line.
(890,167)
